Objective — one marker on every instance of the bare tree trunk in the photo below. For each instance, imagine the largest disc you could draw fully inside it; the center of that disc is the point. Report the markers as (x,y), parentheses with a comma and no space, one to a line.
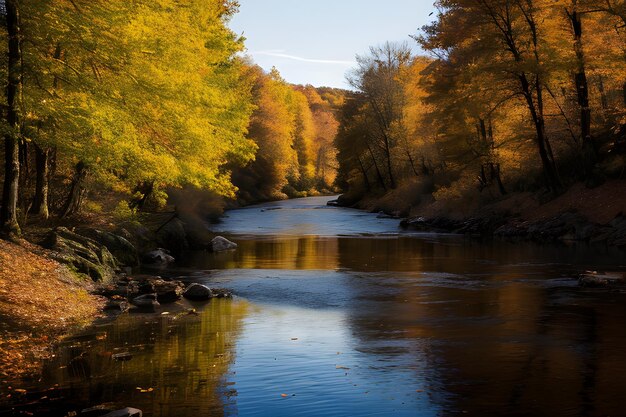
(604,101)
(77,191)
(589,149)
(40,202)
(549,167)
(381,180)
(366,180)
(495,174)
(10,192)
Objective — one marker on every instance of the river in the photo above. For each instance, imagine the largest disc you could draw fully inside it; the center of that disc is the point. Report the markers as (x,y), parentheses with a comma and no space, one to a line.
(340,313)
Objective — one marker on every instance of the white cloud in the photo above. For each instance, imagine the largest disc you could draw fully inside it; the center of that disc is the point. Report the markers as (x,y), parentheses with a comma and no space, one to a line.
(278,53)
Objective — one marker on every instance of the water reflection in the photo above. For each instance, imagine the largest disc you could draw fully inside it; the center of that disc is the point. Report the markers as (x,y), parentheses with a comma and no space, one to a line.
(345,324)
(165,365)
(451,254)
(431,326)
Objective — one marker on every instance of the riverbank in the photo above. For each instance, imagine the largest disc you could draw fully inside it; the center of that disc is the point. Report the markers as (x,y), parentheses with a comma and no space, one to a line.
(581,214)
(41,301)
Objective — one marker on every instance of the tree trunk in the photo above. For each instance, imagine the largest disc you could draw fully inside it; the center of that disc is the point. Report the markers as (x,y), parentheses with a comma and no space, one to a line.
(589,149)
(604,101)
(417,174)
(495,174)
(77,191)
(366,180)
(381,180)
(40,202)
(10,192)
(392,181)
(549,167)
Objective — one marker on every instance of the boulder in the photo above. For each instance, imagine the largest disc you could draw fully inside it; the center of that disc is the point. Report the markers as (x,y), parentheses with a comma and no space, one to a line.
(146,302)
(198,292)
(594,279)
(221,244)
(124,252)
(158,256)
(105,411)
(83,254)
(168,291)
(173,236)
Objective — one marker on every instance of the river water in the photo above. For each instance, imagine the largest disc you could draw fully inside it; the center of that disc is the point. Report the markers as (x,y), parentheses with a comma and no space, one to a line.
(340,313)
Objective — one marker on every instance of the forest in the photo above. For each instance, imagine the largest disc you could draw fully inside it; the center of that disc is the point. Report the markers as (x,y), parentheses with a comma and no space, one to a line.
(184,231)
(510,96)
(109,106)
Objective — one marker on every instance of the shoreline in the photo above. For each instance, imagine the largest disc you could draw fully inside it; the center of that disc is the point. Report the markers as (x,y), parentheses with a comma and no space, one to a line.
(594,216)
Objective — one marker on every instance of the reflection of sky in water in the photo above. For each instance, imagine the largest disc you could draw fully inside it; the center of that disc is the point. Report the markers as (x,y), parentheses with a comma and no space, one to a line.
(427,325)
(313,370)
(304,217)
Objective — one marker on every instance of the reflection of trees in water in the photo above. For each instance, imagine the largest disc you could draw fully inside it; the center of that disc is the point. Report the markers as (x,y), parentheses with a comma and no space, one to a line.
(180,363)
(493,338)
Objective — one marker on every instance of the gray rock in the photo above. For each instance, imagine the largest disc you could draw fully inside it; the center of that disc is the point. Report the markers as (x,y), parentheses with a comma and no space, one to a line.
(173,236)
(198,292)
(158,257)
(146,302)
(124,252)
(84,254)
(107,411)
(220,244)
(593,279)
(168,291)
(125,412)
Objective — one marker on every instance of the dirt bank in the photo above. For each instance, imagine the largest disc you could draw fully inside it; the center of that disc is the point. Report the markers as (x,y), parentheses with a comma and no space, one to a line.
(40,302)
(580,214)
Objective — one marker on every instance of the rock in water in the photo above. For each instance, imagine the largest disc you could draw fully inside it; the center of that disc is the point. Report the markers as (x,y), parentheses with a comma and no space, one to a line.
(220,244)
(158,257)
(168,291)
(594,279)
(198,292)
(104,411)
(146,302)
(125,412)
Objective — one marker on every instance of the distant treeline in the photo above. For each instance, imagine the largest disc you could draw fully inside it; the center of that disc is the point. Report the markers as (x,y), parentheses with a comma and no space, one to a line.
(514,95)
(125,99)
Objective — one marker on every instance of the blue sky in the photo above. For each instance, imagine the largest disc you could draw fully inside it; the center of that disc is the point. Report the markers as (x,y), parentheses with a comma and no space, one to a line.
(315,41)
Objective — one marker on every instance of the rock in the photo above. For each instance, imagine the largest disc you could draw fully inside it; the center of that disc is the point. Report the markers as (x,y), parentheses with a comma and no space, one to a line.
(382,215)
(594,279)
(105,411)
(122,357)
(168,291)
(333,203)
(146,302)
(198,292)
(220,244)
(124,252)
(117,305)
(125,412)
(222,293)
(173,236)
(158,256)
(85,255)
